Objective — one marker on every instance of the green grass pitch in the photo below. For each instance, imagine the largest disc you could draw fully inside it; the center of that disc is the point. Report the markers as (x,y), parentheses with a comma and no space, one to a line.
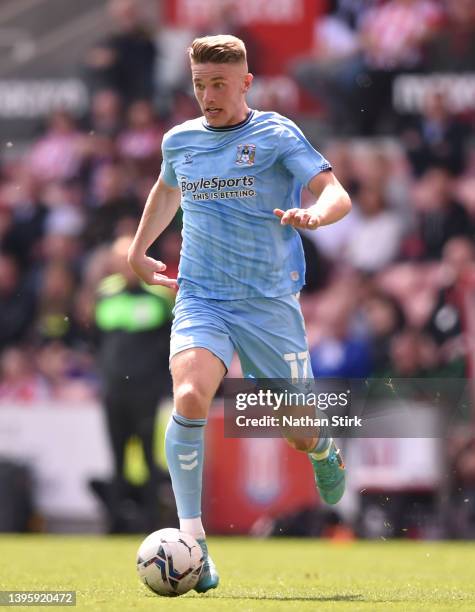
(269,575)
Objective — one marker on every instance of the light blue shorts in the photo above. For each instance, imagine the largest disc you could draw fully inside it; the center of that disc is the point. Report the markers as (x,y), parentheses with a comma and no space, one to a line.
(267,333)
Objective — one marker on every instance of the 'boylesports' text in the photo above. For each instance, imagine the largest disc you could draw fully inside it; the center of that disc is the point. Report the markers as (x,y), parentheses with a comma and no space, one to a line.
(218,188)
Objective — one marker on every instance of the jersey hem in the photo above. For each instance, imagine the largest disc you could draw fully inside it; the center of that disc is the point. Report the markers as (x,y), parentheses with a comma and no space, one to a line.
(184,293)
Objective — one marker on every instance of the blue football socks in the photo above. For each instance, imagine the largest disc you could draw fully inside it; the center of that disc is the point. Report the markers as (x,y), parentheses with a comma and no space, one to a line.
(184,446)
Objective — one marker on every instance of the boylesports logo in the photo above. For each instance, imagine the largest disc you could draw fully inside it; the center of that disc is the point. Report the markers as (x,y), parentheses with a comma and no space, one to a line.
(218,188)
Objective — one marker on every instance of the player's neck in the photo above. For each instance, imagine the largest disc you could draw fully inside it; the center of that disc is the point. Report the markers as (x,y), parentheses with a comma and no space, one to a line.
(240,117)
(236,121)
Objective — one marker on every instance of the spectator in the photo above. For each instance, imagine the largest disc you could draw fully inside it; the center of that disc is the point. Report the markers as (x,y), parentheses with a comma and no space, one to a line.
(140,142)
(113,204)
(98,146)
(384,318)
(57,155)
(377,226)
(62,248)
(134,323)
(338,351)
(452,49)
(17,304)
(125,61)
(65,214)
(445,323)
(28,214)
(392,37)
(353,11)
(19,382)
(66,374)
(106,113)
(392,33)
(329,73)
(439,216)
(385,168)
(412,355)
(436,138)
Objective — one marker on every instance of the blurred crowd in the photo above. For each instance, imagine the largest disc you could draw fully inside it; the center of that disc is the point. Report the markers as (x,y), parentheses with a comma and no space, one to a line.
(360,46)
(390,289)
(386,287)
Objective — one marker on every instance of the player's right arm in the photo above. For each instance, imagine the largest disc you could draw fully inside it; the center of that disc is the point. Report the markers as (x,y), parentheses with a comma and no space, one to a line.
(160,208)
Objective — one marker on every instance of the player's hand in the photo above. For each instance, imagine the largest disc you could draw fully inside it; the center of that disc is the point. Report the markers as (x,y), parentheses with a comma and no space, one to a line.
(300,218)
(150,271)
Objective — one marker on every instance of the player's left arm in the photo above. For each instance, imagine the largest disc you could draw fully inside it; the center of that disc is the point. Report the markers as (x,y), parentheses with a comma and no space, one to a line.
(333,203)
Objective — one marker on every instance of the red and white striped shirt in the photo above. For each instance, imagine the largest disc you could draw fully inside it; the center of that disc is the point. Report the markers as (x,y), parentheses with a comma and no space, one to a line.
(393,32)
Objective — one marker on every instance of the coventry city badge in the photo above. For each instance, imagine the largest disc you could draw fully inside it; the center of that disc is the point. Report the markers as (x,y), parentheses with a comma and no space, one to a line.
(245,154)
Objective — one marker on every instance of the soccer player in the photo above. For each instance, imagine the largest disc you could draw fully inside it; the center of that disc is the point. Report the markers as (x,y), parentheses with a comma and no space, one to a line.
(238,175)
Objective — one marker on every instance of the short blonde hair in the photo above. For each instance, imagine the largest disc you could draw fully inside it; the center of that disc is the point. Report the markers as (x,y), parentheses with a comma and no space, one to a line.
(220,49)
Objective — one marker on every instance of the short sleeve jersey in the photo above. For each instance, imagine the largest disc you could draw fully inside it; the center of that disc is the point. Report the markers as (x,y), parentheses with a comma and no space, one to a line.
(231,179)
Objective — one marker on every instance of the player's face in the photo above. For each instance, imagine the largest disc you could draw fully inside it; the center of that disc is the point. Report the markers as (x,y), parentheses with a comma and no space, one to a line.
(221,92)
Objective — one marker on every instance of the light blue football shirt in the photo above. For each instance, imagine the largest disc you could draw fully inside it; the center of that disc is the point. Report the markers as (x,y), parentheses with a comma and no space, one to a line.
(231,179)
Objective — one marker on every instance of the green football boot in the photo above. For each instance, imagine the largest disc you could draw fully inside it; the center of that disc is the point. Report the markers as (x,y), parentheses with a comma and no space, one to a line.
(330,475)
(209,578)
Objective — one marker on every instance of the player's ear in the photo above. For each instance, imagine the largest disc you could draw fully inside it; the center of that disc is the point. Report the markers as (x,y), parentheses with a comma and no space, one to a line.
(248,81)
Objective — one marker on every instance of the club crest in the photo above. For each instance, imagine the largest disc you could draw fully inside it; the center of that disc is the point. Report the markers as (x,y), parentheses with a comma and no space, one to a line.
(245,154)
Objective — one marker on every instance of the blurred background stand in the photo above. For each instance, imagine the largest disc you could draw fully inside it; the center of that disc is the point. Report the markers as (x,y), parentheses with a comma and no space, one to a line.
(385,89)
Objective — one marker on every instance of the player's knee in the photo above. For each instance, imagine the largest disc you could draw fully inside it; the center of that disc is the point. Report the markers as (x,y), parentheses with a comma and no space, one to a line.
(191,401)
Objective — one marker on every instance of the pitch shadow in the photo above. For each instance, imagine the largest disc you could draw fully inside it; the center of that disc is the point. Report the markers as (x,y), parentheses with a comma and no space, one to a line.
(292,598)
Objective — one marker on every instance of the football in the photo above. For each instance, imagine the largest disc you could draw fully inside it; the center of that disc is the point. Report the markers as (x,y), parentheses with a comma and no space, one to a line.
(169,562)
